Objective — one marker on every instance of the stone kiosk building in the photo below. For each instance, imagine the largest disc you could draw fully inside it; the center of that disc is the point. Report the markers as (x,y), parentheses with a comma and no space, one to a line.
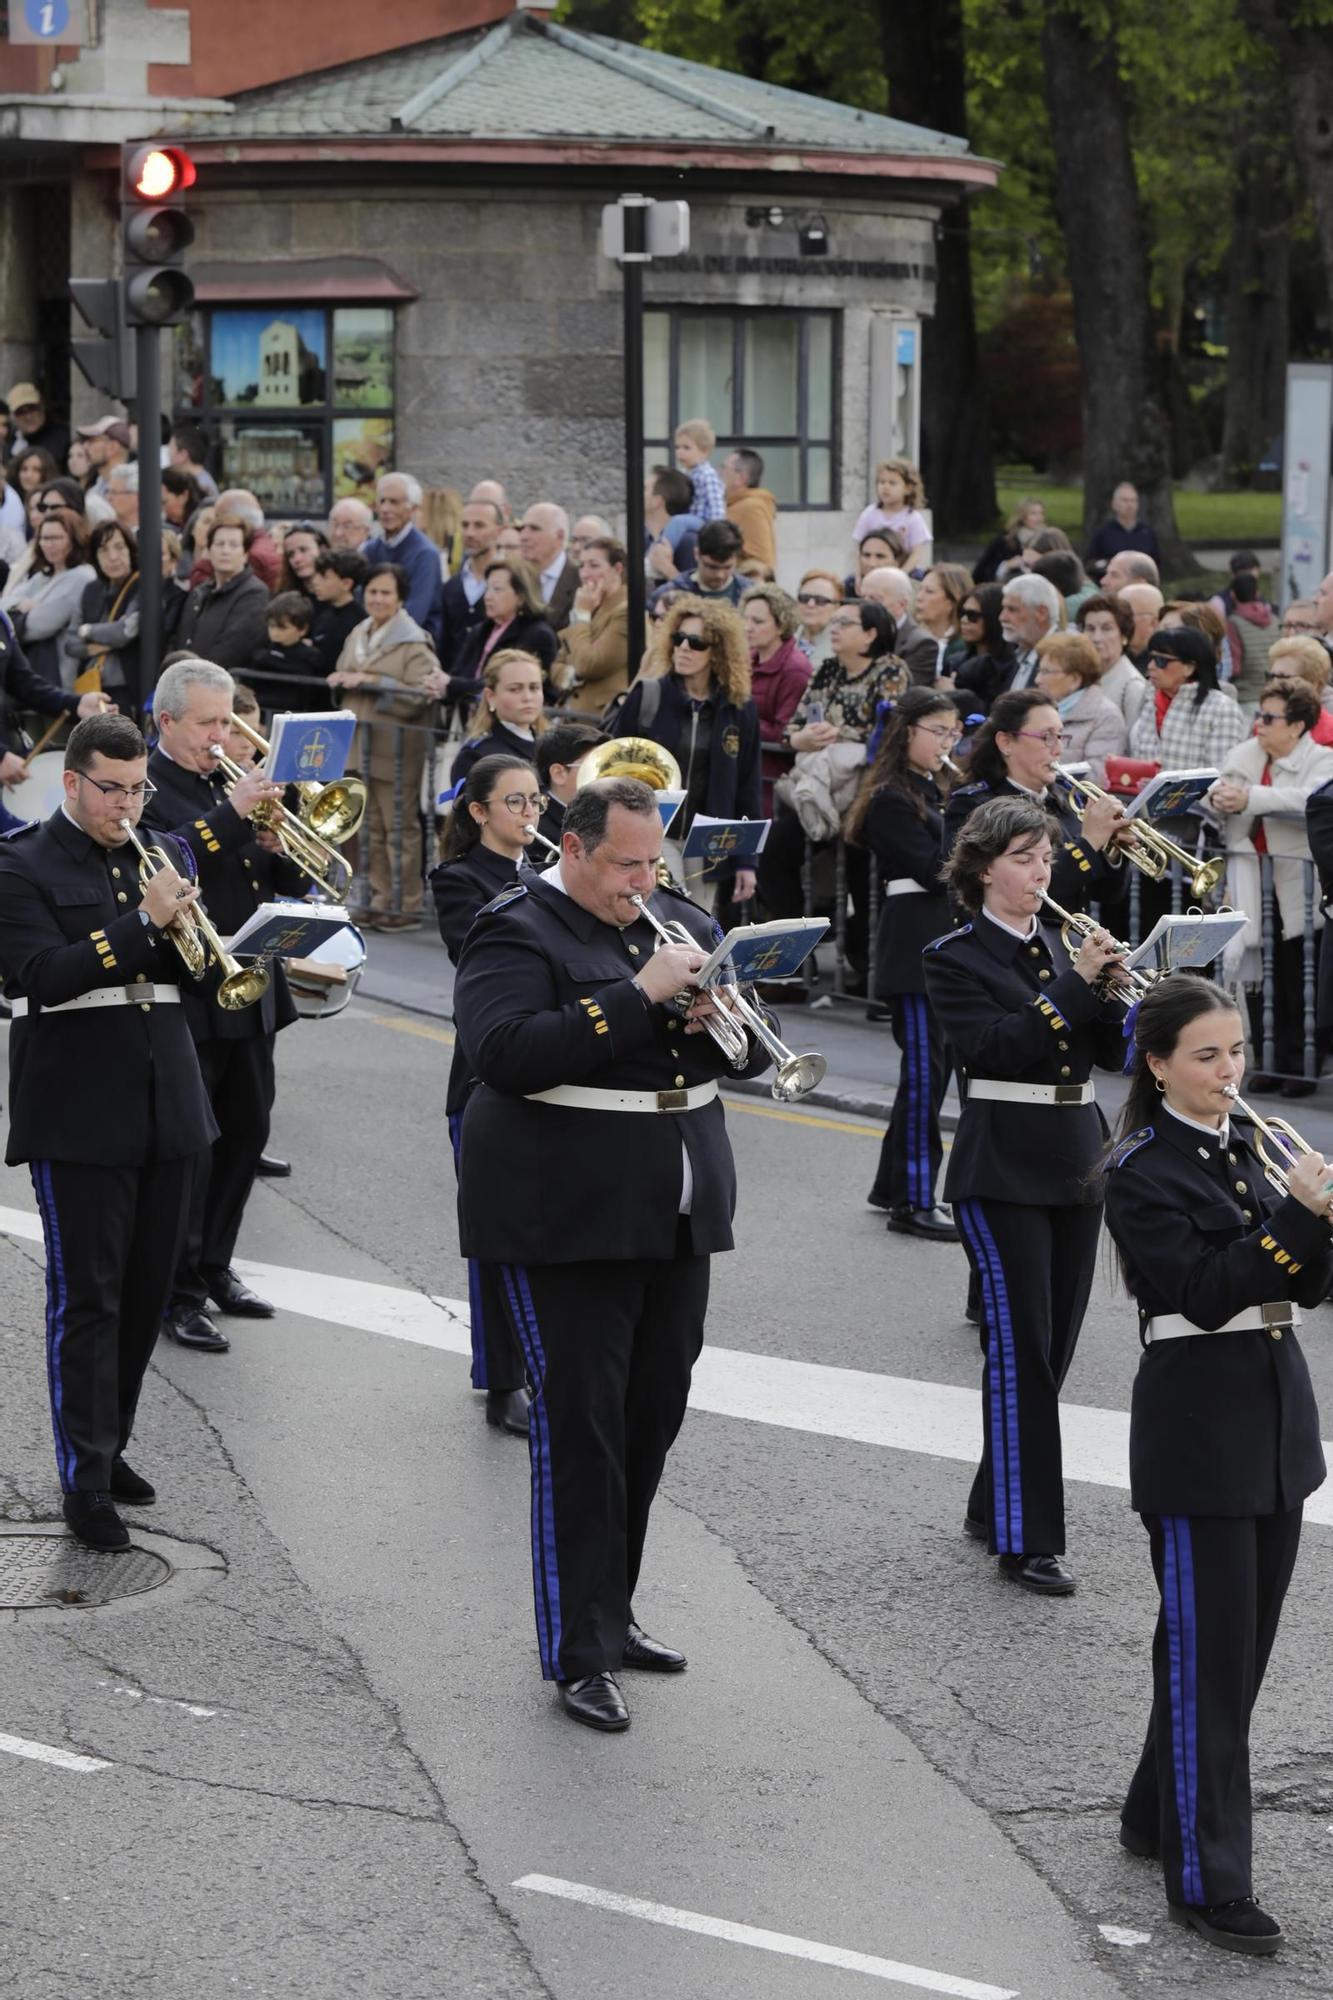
(398,261)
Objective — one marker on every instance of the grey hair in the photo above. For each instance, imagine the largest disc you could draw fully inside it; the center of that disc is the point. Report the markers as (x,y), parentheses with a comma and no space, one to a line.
(590,808)
(412,486)
(1036,591)
(350,500)
(902,583)
(124,475)
(1142,569)
(559,519)
(172,692)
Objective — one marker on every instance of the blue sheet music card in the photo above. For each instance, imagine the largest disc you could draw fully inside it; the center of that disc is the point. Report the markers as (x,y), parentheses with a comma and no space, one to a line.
(309,748)
(712,844)
(774,950)
(669,804)
(287,930)
(1171,794)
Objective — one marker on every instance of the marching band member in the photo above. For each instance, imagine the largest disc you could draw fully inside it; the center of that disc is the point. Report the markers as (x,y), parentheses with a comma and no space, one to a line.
(106,1101)
(562,1002)
(899,817)
(238,869)
(1026,1028)
(1224,1434)
(489,835)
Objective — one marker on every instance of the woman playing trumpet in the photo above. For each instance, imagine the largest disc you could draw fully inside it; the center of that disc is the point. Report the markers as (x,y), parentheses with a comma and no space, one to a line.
(1224,1434)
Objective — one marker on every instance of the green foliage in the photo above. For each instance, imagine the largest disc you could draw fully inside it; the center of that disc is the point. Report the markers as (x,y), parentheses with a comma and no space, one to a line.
(1216,520)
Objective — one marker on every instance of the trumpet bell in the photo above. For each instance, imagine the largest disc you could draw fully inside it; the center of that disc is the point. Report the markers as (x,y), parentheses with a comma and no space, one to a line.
(798,1076)
(631,757)
(242,986)
(335,811)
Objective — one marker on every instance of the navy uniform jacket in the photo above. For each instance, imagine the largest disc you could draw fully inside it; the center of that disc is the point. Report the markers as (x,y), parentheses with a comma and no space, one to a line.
(497,741)
(460,889)
(235,876)
(1079,874)
(1016,1011)
(104,1086)
(1225,1424)
(907,847)
(734,789)
(545,996)
(21,686)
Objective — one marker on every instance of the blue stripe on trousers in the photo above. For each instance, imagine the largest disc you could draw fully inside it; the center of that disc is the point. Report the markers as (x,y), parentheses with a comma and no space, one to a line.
(545,1567)
(1006,1460)
(57,1298)
(476,1310)
(1182,1654)
(913,1010)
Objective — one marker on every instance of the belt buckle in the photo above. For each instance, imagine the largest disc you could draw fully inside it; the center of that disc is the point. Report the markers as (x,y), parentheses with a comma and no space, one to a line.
(672,1100)
(1069,1093)
(1276,1312)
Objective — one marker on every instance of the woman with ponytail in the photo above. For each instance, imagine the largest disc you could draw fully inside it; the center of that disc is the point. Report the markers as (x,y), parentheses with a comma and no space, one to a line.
(484,850)
(1224,1433)
(899,816)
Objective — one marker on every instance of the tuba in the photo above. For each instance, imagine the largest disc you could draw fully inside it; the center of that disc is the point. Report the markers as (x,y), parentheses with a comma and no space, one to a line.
(631,757)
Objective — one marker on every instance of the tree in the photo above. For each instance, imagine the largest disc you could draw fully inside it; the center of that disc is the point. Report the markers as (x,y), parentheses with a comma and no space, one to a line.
(1300,33)
(1126,434)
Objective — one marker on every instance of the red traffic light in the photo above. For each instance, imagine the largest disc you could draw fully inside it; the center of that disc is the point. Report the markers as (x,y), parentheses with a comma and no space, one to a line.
(155,173)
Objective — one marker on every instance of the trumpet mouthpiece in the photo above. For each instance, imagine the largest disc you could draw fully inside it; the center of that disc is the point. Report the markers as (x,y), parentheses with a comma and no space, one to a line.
(1230,1090)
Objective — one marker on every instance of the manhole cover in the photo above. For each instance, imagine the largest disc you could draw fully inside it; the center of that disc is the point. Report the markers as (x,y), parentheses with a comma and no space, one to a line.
(38,1571)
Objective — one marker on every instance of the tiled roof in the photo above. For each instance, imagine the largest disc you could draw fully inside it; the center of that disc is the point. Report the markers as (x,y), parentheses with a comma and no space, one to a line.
(526,80)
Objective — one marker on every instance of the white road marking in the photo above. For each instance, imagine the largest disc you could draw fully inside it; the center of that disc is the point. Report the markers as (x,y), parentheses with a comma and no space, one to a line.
(45,1753)
(1117,1934)
(160,1700)
(893,1412)
(919,1976)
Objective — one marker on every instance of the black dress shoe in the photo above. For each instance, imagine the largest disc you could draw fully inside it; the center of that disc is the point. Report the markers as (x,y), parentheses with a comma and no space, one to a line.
(92,1520)
(1138,1844)
(936,1224)
(191,1326)
(650,1655)
(128,1485)
(1237,1926)
(595,1700)
(507,1409)
(972,1526)
(226,1289)
(1046,1574)
(271,1168)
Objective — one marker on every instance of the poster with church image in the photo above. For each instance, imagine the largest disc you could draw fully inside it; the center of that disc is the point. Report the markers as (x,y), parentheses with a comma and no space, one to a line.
(272,358)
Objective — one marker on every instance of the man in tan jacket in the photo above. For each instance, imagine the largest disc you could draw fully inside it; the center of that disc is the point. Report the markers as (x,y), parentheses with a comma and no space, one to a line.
(751,506)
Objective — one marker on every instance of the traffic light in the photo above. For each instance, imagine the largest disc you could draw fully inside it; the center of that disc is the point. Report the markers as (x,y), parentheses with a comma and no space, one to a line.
(155,233)
(107,363)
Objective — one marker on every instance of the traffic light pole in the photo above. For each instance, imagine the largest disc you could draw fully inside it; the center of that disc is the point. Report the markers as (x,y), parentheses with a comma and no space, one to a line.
(148,411)
(633,258)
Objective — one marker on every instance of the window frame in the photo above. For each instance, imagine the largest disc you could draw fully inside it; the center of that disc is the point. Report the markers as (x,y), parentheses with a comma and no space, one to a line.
(320,417)
(801,441)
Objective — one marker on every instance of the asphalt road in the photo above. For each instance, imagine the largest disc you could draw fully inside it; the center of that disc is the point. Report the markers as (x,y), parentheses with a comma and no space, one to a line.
(327,1770)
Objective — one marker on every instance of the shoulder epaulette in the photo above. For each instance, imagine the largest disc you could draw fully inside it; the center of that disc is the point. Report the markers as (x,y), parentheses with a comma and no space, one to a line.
(968,791)
(964,930)
(1131,1145)
(29,826)
(509,894)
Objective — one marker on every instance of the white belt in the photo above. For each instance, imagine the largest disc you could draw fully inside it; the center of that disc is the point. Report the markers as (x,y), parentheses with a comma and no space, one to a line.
(1031,1093)
(580,1097)
(905,885)
(105,996)
(1255,1319)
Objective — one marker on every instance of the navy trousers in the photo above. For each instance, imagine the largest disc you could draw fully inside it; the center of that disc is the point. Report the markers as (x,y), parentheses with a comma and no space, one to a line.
(909,1158)
(113,1236)
(610,1348)
(497,1358)
(1035,1268)
(240,1082)
(1222,1585)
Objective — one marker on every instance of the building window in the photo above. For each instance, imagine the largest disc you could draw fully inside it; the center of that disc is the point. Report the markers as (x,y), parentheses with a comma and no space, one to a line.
(297,400)
(763,379)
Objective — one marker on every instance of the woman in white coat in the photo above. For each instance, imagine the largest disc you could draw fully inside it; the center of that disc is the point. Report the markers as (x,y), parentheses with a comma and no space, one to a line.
(1265,783)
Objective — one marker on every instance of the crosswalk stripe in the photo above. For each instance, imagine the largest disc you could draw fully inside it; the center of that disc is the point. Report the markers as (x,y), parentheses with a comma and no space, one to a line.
(892,1412)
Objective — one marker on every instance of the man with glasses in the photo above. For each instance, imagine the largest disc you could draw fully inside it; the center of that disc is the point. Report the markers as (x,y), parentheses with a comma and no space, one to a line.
(107,1105)
(238,869)
(1299,620)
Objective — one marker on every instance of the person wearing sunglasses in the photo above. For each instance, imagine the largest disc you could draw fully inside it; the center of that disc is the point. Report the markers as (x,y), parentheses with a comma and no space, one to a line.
(1189,723)
(899,816)
(818,595)
(486,850)
(988,659)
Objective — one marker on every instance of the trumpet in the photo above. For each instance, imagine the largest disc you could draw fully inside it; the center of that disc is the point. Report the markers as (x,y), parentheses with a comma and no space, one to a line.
(1150,849)
(1117,982)
(196,939)
(549,845)
(334,810)
(1277,1143)
(328,869)
(795,1073)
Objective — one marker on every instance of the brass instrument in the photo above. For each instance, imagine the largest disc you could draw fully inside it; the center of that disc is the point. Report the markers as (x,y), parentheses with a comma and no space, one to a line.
(1130,984)
(328,869)
(1276,1134)
(795,1073)
(537,836)
(196,939)
(334,810)
(1150,849)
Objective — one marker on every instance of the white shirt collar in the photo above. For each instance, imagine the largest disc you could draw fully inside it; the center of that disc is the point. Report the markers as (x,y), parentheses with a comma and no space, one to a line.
(1026,790)
(392,541)
(1000,924)
(1222,1132)
(549,578)
(555,878)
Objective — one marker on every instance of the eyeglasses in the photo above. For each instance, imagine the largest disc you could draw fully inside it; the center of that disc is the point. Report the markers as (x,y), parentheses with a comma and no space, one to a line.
(813,597)
(1265,717)
(121,795)
(1290,627)
(525,802)
(1165,660)
(945,735)
(693,641)
(970,611)
(1052,738)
